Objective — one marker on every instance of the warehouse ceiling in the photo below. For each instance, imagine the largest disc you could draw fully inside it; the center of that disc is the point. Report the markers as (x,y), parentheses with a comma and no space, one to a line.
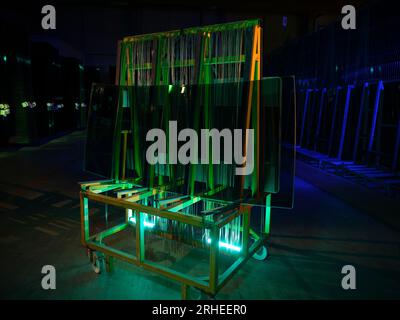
(305,7)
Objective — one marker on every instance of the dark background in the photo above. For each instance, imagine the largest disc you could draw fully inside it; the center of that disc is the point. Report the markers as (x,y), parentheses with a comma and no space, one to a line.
(89,30)
(334,222)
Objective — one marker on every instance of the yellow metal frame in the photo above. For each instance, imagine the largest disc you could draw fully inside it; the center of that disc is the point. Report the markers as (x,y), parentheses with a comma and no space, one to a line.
(92,191)
(213,283)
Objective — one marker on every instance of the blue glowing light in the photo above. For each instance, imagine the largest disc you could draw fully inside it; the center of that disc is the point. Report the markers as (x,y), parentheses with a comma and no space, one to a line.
(284,21)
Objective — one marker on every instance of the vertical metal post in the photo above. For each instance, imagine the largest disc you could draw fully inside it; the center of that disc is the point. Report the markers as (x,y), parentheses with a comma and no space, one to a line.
(303,120)
(139,237)
(375,116)
(321,109)
(109,261)
(311,118)
(255,75)
(185,291)
(214,255)
(344,122)
(125,134)
(332,133)
(359,122)
(246,230)
(207,81)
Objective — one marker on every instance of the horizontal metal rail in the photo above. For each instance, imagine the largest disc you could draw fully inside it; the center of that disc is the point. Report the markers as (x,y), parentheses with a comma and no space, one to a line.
(195,30)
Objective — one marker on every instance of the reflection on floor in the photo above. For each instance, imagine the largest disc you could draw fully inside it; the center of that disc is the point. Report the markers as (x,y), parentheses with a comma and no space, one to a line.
(39,225)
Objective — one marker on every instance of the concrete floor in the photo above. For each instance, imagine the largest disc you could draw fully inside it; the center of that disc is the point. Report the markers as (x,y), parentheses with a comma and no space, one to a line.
(39,225)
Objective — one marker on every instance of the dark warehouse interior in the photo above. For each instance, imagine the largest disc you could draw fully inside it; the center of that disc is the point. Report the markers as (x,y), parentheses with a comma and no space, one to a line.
(76,103)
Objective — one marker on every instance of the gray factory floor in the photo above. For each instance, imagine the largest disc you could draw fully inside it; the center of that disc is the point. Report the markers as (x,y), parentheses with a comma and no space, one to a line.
(39,225)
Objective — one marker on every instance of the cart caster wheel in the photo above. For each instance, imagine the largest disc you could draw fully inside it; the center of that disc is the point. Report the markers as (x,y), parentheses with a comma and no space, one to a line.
(97,261)
(261,254)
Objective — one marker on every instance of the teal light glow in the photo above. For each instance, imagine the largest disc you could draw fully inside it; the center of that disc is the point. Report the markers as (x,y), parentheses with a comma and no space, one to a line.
(145,223)
(5,58)
(227,245)
(132,220)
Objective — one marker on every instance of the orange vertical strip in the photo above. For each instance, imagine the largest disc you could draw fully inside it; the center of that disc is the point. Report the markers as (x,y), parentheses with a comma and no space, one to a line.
(258,61)
(254,59)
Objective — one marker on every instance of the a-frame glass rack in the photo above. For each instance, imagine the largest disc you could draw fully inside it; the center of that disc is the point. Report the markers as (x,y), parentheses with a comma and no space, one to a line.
(179,212)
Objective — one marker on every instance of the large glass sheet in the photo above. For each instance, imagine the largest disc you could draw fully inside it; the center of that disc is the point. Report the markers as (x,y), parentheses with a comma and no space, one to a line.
(285,197)
(100,130)
(166,130)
